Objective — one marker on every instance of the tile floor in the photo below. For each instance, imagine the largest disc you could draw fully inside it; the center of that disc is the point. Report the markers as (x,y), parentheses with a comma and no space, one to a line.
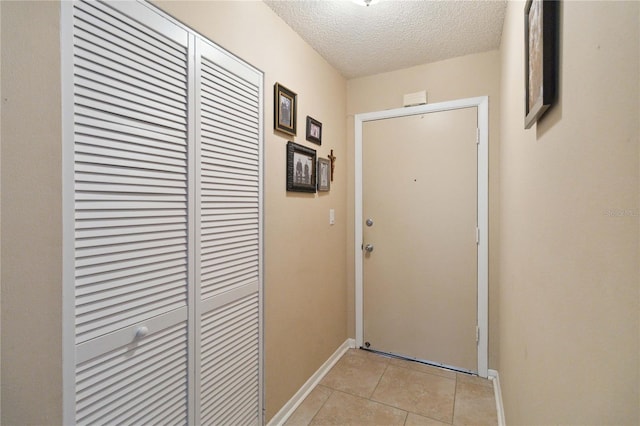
(364,388)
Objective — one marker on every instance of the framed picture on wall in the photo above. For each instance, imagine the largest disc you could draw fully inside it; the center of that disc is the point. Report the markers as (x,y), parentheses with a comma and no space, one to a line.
(285,109)
(314,130)
(541,58)
(324,174)
(301,168)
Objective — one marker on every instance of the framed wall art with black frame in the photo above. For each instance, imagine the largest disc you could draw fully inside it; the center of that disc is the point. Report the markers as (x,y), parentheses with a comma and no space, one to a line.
(541,23)
(314,130)
(285,109)
(301,168)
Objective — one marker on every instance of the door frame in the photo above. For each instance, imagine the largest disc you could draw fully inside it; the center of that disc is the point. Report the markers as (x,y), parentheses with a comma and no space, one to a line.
(482,105)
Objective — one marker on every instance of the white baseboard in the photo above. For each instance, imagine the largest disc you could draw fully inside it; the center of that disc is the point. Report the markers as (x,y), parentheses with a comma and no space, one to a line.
(495,377)
(288,408)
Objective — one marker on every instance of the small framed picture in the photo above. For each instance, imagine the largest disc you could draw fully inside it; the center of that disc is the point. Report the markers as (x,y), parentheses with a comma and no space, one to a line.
(541,58)
(301,168)
(285,109)
(314,130)
(324,174)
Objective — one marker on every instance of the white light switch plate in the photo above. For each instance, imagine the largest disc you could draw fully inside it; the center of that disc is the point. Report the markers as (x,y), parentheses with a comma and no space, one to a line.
(332,217)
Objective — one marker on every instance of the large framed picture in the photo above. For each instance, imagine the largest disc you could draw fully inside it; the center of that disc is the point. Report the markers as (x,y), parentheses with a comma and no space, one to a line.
(301,168)
(541,58)
(285,109)
(314,130)
(324,174)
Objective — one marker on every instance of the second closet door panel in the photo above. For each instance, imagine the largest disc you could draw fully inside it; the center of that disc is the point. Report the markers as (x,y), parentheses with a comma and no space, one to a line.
(228,251)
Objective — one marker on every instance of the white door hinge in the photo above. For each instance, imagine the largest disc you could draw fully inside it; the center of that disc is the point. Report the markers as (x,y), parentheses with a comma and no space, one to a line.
(477,136)
(477,235)
(477,334)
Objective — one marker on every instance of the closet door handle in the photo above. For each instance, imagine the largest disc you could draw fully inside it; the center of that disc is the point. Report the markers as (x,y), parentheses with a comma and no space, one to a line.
(141,332)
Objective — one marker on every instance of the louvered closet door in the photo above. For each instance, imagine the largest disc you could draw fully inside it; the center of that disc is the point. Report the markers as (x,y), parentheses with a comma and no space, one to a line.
(131,215)
(228,250)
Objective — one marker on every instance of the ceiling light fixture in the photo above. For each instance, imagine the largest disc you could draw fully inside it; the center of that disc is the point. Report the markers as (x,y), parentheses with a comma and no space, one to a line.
(365,2)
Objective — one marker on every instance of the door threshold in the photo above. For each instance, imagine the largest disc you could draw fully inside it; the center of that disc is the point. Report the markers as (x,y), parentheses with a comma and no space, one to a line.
(421,361)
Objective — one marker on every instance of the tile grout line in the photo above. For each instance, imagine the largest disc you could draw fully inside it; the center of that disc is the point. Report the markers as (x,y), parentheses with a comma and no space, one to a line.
(406,412)
(406,417)
(378,382)
(369,400)
(455,378)
(323,404)
(455,393)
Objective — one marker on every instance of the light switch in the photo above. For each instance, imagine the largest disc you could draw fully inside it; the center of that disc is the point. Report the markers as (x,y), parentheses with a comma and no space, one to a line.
(332,217)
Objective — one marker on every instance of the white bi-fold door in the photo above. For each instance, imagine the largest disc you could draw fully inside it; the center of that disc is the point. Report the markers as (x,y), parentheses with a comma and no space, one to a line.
(163,224)
(228,242)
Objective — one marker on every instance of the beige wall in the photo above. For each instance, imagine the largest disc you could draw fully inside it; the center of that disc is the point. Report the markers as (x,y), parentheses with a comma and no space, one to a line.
(31,202)
(305,261)
(463,77)
(569,283)
(569,225)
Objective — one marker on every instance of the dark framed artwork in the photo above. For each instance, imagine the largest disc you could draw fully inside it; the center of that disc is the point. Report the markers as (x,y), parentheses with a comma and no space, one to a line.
(314,130)
(301,168)
(541,57)
(285,109)
(324,174)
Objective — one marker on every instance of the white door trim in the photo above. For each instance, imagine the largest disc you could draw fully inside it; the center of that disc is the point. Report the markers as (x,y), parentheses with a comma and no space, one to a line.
(482,104)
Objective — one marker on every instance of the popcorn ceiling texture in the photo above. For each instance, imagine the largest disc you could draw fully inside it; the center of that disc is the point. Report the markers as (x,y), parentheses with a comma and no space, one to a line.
(393,34)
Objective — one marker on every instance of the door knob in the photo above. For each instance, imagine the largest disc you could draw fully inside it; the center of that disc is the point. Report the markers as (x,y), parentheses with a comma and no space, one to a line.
(141,332)
(368,248)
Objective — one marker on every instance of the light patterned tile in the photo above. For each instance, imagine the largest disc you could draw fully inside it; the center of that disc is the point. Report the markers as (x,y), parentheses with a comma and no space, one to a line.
(401,392)
(373,356)
(474,380)
(475,405)
(309,407)
(421,393)
(345,409)
(414,419)
(355,373)
(424,368)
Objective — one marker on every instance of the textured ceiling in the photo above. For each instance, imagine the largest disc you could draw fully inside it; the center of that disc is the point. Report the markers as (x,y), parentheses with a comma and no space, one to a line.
(393,34)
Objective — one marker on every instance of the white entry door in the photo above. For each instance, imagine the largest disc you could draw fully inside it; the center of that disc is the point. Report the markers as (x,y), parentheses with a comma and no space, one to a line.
(420,237)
